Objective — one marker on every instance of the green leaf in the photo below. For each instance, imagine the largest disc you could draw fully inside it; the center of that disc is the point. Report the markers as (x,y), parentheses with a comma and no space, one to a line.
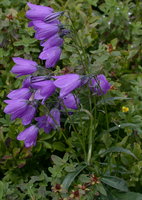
(132,53)
(57,160)
(123,125)
(1,189)
(71,176)
(100,188)
(109,100)
(115,182)
(129,196)
(115,53)
(47,145)
(93,2)
(119,150)
(59,146)
(114,42)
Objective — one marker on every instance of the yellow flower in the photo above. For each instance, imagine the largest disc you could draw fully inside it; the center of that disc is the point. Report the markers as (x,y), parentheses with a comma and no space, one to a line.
(125,109)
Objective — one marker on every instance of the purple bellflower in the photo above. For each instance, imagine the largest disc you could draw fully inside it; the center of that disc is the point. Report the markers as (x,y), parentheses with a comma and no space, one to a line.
(16,107)
(99,85)
(28,115)
(29,136)
(52,121)
(22,93)
(67,83)
(42,123)
(44,31)
(54,118)
(55,40)
(70,101)
(20,108)
(44,89)
(38,12)
(23,66)
(51,55)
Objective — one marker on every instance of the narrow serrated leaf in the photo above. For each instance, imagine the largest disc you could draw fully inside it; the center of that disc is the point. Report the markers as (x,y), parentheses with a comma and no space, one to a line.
(71,176)
(119,150)
(115,182)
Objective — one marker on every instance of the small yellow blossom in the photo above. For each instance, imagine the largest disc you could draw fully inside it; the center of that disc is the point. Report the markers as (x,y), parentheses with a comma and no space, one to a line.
(125,109)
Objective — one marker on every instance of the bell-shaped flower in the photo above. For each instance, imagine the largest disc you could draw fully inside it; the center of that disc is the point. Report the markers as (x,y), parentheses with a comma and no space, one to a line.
(28,115)
(44,31)
(52,121)
(70,101)
(43,123)
(29,136)
(22,93)
(51,55)
(20,108)
(54,118)
(67,83)
(55,40)
(16,107)
(44,89)
(23,66)
(99,85)
(38,12)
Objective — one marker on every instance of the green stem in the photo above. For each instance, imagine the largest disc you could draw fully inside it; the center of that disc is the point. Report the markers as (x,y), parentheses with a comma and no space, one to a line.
(107,121)
(82,144)
(90,142)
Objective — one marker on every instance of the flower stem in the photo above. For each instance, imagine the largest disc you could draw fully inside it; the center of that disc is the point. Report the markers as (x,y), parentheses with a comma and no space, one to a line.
(90,142)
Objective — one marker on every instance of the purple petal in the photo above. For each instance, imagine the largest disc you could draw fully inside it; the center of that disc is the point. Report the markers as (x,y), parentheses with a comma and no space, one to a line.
(54,118)
(27,82)
(29,136)
(51,56)
(15,105)
(53,41)
(40,84)
(48,128)
(22,61)
(23,66)
(45,89)
(65,80)
(34,6)
(67,83)
(37,95)
(71,101)
(47,32)
(23,69)
(49,89)
(22,93)
(30,24)
(38,12)
(43,123)
(16,108)
(99,85)
(28,115)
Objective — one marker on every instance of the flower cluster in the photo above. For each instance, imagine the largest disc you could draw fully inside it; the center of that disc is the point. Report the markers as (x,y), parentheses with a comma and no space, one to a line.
(49,31)
(23,103)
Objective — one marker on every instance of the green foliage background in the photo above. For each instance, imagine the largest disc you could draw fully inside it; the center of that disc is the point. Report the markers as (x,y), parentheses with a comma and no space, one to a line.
(111,34)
